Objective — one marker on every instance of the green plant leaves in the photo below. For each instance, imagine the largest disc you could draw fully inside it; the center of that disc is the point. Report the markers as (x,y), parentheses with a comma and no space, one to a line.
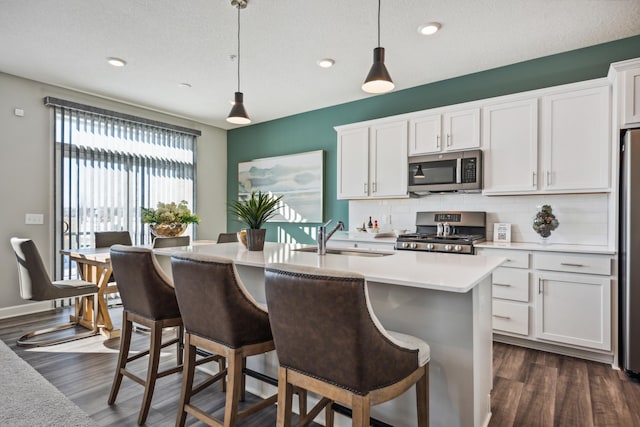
(257,210)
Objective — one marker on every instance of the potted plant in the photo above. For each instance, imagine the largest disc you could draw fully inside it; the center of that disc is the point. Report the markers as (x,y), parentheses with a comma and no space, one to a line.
(254,212)
(169,219)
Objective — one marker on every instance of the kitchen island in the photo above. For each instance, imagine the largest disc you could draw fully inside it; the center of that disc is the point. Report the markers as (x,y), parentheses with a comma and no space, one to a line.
(445,299)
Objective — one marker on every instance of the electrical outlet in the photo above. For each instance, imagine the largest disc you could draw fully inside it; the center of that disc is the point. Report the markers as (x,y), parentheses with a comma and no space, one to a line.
(34,219)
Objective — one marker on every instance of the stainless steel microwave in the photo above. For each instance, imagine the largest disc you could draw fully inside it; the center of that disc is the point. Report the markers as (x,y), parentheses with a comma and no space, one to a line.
(446,172)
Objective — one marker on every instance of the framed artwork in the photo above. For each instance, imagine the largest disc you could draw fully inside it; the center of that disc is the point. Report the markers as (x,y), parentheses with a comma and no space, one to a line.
(298,178)
(502,232)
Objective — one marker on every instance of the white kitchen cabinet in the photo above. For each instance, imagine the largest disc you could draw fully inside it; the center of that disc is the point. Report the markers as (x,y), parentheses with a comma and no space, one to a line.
(510,140)
(449,131)
(631,96)
(372,161)
(574,309)
(575,141)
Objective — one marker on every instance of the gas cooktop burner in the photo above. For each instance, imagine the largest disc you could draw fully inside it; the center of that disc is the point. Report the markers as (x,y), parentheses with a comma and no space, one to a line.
(461,231)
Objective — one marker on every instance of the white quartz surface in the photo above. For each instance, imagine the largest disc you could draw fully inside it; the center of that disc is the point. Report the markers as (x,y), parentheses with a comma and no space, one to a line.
(362,236)
(549,247)
(445,272)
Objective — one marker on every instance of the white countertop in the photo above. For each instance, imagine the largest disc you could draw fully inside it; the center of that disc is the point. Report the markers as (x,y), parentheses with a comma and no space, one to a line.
(438,271)
(363,236)
(549,247)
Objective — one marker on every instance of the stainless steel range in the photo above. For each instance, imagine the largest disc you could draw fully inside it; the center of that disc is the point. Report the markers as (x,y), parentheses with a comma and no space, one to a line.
(454,232)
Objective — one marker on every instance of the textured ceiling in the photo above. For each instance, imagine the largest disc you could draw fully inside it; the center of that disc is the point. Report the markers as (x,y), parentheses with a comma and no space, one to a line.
(167,42)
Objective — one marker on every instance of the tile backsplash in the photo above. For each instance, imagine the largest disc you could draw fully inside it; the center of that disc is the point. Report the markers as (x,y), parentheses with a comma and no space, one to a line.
(583,218)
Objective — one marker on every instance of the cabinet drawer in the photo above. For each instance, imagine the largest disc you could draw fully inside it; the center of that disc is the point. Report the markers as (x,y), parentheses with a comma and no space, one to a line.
(515,259)
(511,317)
(511,283)
(589,264)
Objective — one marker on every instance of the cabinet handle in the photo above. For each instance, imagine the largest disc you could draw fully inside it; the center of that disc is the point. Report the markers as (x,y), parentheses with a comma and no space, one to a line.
(533,181)
(498,316)
(570,264)
(437,141)
(374,187)
(540,285)
(365,188)
(505,285)
(448,140)
(548,177)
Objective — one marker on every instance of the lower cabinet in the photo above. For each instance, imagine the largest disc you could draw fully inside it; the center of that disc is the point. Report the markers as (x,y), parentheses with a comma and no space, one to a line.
(574,309)
(559,298)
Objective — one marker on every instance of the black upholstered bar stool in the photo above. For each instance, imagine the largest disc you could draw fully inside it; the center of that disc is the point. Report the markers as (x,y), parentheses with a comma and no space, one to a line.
(222,317)
(148,298)
(330,342)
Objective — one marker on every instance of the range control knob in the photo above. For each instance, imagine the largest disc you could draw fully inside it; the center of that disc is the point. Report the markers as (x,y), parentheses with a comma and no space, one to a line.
(457,248)
(447,248)
(413,245)
(405,244)
(429,246)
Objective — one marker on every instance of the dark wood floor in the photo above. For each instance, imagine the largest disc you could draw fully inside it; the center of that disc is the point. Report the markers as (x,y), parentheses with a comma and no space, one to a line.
(531,388)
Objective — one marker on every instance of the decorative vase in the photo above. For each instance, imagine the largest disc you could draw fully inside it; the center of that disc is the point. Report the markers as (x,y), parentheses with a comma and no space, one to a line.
(242,237)
(168,230)
(544,223)
(255,238)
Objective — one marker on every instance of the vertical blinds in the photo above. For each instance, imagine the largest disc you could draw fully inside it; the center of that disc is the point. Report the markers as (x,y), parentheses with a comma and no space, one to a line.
(108,166)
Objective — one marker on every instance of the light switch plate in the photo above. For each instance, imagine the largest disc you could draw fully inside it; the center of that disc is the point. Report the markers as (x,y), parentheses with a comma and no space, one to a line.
(33,219)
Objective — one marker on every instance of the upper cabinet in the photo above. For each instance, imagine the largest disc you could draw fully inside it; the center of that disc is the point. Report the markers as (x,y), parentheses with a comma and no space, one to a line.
(575,140)
(562,148)
(372,161)
(631,96)
(510,135)
(449,131)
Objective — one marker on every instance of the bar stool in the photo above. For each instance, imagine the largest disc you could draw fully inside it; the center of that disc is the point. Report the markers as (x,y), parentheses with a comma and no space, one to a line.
(148,298)
(222,317)
(330,342)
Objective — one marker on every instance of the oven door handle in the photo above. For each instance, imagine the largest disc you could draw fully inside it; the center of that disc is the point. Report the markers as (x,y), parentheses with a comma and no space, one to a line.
(458,171)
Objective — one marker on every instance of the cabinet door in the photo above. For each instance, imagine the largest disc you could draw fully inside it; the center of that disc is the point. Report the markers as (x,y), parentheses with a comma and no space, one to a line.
(576,140)
(574,309)
(388,160)
(353,163)
(632,96)
(424,135)
(462,129)
(510,140)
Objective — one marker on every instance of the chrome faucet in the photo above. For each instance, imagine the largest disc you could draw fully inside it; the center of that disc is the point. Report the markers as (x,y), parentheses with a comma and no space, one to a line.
(323,237)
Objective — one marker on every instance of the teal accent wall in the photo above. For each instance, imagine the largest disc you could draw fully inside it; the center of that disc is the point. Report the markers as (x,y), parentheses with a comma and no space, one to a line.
(314,130)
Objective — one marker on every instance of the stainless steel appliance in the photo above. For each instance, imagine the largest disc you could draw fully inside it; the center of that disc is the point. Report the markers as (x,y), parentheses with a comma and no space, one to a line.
(629,253)
(446,172)
(454,232)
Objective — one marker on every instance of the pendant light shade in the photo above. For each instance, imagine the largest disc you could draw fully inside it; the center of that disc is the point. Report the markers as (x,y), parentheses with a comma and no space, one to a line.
(238,114)
(378,80)
(419,173)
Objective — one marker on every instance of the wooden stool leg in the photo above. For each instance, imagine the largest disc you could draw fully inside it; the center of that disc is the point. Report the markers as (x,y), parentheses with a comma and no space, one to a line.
(422,397)
(180,345)
(285,392)
(234,389)
(222,362)
(360,416)
(328,415)
(125,344)
(152,371)
(302,401)
(243,386)
(188,372)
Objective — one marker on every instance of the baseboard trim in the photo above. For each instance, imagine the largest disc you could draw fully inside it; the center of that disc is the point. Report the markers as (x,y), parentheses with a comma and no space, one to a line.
(557,349)
(21,310)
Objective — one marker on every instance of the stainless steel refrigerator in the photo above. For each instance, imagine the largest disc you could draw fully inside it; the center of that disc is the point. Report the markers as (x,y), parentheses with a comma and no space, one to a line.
(629,253)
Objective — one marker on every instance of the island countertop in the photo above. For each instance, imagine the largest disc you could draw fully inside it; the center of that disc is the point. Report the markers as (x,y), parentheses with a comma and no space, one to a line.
(436,271)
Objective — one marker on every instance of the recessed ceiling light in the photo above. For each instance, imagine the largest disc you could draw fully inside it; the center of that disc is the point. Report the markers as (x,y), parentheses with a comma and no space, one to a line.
(184,85)
(117,62)
(326,62)
(430,28)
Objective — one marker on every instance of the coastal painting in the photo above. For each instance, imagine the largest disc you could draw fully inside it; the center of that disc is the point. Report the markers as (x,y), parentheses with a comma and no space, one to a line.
(296,177)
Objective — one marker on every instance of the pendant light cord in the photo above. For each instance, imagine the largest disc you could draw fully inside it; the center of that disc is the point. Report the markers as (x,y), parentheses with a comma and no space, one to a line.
(239,47)
(379,22)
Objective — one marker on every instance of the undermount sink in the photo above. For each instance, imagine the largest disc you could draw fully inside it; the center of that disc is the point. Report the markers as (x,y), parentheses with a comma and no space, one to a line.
(349,252)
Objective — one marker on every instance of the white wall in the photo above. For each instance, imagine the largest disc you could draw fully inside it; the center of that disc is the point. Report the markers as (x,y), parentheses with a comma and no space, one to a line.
(584,218)
(26,173)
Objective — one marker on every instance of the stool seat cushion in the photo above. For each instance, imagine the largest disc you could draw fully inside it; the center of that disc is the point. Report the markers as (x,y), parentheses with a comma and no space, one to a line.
(409,341)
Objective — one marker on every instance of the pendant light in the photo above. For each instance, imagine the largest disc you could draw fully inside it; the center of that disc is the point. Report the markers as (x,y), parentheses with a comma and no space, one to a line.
(378,80)
(238,114)
(419,173)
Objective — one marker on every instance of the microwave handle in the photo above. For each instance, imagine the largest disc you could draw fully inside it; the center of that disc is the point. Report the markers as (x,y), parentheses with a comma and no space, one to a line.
(458,171)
